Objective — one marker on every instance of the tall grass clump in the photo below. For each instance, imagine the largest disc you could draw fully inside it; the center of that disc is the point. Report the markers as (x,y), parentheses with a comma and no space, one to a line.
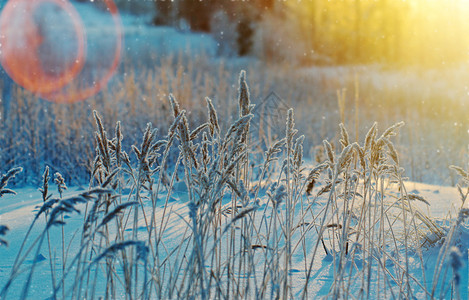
(37,133)
(193,212)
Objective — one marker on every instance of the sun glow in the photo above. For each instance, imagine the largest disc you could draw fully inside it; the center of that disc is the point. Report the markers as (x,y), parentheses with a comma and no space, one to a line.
(413,32)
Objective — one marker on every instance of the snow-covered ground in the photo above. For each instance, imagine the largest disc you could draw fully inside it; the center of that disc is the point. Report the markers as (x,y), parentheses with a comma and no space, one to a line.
(142,41)
(18,212)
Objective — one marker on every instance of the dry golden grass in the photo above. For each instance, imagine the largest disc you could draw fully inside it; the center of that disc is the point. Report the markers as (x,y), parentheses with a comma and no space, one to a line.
(37,133)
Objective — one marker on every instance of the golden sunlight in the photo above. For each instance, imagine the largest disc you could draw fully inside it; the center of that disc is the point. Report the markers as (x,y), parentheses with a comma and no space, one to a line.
(416,32)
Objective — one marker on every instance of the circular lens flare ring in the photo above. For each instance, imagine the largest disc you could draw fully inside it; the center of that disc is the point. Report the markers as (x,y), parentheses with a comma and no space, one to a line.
(20,58)
(23,64)
(78,94)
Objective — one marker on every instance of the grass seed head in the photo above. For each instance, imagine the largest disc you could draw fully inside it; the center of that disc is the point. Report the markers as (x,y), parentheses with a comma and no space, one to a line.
(60,181)
(3,229)
(116,211)
(344,136)
(329,151)
(213,118)
(391,131)
(370,136)
(278,195)
(244,101)
(174,105)
(9,175)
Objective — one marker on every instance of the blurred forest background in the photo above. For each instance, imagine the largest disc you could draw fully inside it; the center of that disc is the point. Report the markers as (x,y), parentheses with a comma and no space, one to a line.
(428,33)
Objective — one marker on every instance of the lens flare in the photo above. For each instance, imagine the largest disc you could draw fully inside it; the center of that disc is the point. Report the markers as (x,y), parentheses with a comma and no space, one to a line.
(44,46)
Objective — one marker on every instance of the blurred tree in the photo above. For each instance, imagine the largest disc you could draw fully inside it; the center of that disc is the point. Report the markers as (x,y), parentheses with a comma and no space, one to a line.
(245,36)
(164,12)
(198,13)
(6,88)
